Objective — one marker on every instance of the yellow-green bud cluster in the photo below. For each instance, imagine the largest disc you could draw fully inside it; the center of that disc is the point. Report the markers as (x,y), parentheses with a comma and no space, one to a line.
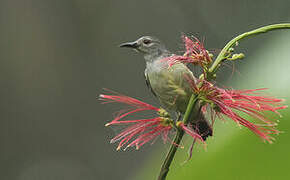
(165,117)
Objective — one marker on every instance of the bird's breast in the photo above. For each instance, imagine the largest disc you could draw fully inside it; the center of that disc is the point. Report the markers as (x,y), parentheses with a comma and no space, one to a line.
(170,85)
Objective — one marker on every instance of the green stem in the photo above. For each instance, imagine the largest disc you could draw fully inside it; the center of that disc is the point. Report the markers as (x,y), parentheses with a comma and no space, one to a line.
(192,102)
(169,157)
(225,50)
(178,136)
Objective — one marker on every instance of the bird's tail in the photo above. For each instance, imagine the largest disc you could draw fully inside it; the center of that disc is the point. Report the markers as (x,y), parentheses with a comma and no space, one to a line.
(201,125)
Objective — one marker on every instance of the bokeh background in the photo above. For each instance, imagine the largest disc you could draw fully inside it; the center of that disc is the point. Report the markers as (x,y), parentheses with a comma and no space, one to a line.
(57,55)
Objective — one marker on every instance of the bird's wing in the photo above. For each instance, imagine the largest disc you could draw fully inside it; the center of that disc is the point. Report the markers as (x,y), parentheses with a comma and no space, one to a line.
(148,83)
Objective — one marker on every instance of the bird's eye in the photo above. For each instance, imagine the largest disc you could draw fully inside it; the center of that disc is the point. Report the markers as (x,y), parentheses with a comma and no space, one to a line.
(146,41)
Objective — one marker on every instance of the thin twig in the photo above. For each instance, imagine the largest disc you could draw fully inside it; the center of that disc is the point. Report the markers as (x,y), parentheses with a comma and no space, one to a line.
(179,134)
(231,43)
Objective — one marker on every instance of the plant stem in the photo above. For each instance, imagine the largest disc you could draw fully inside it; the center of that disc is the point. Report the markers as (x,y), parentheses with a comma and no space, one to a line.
(225,50)
(178,136)
(169,157)
(192,102)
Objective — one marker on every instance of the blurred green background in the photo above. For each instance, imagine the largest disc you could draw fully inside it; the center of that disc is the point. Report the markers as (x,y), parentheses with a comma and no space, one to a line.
(57,55)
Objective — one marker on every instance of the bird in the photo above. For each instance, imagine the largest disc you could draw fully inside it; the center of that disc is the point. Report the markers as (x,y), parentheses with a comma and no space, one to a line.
(169,85)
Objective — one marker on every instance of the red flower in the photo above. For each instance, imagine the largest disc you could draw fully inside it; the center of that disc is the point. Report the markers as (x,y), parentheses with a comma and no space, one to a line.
(195,53)
(228,102)
(139,131)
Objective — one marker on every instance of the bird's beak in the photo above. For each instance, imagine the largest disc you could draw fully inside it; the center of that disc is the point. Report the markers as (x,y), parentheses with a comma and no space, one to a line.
(130,45)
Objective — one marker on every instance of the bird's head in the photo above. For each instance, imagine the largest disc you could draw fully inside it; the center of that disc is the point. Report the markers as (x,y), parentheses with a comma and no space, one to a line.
(147,45)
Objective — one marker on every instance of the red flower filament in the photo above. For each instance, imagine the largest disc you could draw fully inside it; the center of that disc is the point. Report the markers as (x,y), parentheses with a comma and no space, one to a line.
(140,131)
(228,102)
(195,53)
